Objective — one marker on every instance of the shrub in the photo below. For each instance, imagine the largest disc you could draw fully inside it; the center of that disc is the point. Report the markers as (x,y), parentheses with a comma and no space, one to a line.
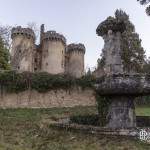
(12,81)
(103,108)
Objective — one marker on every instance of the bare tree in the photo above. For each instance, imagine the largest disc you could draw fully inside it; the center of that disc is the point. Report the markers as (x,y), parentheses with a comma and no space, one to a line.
(5,34)
(34,27)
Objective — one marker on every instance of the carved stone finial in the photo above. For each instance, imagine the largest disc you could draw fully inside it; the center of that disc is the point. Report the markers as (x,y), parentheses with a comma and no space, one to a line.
(111,30)
(110,24)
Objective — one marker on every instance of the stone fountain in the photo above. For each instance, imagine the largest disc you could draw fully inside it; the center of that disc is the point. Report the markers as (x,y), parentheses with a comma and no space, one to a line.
(118,87)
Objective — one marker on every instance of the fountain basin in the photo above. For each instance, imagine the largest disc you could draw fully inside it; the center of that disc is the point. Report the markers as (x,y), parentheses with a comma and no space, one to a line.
(121,90)
(123,84)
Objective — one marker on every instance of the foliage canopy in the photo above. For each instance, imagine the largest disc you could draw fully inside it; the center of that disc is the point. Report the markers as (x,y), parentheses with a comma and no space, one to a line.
(4,56)
(146,2)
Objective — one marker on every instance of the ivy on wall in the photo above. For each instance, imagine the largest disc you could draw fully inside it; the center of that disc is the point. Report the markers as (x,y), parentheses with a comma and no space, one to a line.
(103,104)
(12,81)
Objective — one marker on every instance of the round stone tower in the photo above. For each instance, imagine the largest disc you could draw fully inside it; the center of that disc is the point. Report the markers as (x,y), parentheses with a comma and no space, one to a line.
(53,52)
(75,65)
(22,49)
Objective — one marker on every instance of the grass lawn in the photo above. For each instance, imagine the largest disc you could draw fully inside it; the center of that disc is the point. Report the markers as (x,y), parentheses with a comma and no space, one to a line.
(143,111)
(29,129)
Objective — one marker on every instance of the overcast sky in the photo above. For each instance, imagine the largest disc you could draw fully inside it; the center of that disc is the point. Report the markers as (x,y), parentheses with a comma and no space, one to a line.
(77,20)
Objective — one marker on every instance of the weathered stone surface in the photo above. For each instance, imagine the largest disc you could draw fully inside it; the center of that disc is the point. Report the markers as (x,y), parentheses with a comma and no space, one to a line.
(53,98)
(124,84)
(110,23)
(121,112)
(22,31)
(112,53)
(22,49)
(121,89)
(76,47)
(53,57)
(54,36)
(75,60)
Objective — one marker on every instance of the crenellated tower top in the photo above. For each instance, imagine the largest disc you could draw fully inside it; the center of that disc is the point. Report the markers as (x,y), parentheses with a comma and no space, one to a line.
(53,35)
(29,33)
(76,47)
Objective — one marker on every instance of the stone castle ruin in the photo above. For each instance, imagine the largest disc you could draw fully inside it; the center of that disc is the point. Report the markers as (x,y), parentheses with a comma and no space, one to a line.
(52,55)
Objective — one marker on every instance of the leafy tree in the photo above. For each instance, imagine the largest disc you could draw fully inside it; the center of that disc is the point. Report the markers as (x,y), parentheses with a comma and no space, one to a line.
(4,56)
(101,61)
(5,45)
(89,73)
(145,2)
(133,54)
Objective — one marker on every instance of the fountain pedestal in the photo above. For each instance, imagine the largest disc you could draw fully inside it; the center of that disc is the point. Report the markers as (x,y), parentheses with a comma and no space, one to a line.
(121,91)
(121,112)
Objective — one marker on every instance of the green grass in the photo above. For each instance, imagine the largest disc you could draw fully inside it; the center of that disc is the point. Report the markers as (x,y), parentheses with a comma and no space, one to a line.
(29,129)
(143,111)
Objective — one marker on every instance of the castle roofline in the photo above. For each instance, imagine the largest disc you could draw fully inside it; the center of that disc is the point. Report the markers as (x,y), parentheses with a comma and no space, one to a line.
(53,35)
(76,47)
(22,31)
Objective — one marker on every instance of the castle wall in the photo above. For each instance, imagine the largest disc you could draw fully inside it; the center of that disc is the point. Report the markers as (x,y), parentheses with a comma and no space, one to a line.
(22,49)
(37,59)
(53,57)
(76,63)
(53,98)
